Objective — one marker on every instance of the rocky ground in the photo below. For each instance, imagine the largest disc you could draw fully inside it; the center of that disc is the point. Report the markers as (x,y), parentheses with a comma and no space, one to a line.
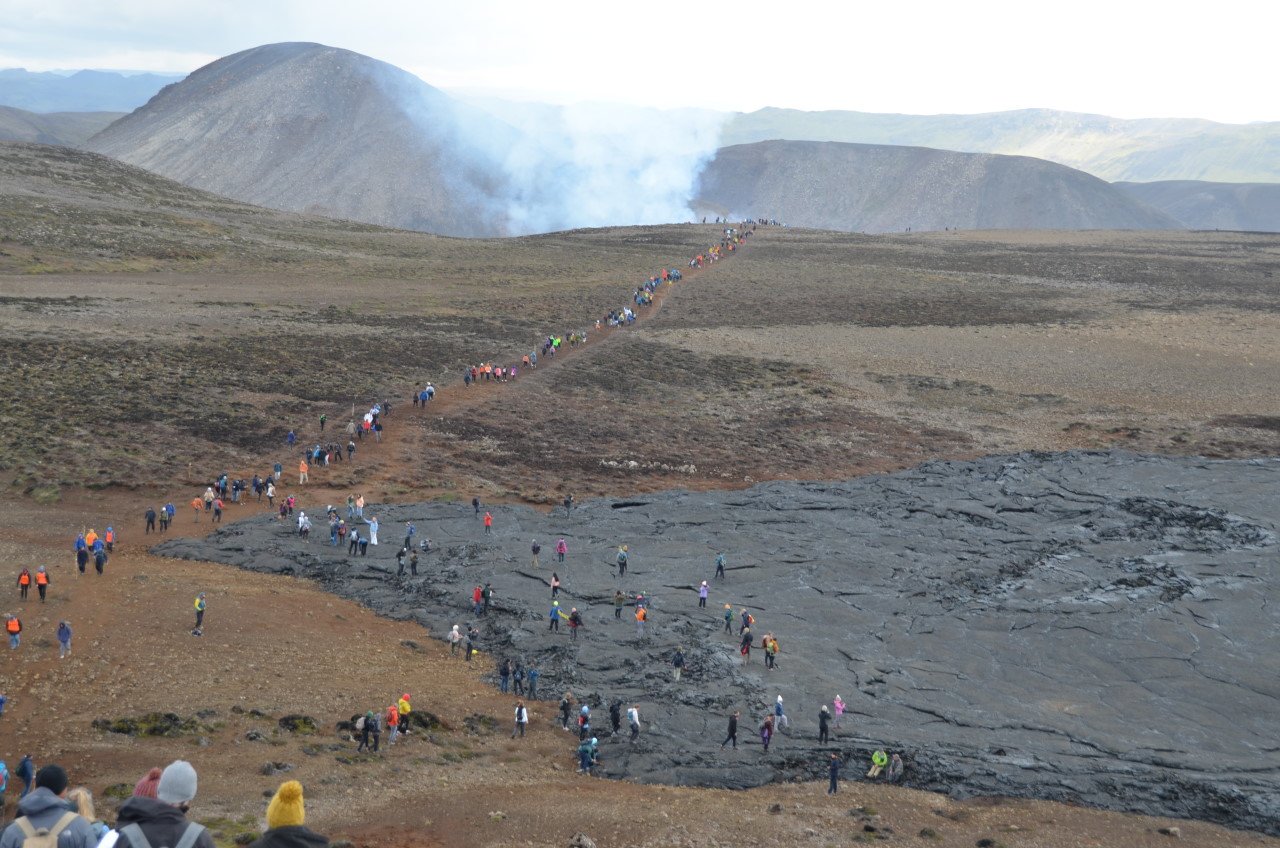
(153,338)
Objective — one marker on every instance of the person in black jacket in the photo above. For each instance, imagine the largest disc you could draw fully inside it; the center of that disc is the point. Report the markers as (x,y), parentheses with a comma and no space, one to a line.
(162,820)
(285,815)
(733,730)
(824,720)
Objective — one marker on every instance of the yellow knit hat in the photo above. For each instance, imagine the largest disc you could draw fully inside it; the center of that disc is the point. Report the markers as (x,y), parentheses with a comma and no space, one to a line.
(286,807)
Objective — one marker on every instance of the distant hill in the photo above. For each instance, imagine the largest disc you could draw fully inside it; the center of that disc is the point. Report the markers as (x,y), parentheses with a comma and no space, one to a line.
(308,128)
(82,91)
(881,188)
(1110,148)
(1201,205)
(66,128)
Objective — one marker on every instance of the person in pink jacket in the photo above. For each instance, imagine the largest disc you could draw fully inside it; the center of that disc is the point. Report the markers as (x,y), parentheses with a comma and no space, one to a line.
(561,549)
(839,709)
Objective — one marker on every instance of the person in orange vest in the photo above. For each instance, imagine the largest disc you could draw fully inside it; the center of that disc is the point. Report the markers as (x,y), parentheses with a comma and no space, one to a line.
(110,539)
(42,581)
(15,628)
(197,505)
(24,583)
(302,472)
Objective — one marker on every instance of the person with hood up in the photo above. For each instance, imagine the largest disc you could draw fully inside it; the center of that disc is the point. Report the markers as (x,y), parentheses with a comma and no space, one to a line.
(285,816)
(47,808)
(403,706)
(64,639)
(162,820)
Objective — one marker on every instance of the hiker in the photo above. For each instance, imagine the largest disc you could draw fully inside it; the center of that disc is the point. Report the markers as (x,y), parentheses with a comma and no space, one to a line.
(14,627)
(522,720)
(64,639)
(838,705)
(517,678)
(566,703)
(199,606)
(535,548)
(285,816)
(405,709)
(622,560)
(728,618)
(475,504)
(878,761)
(81,800)
(618,602)
(720,566)
(486,596)
(555,584)
(488,524)
(733,731)
(46,809)
(745,647)
(642,616)
(766,732)
(455,636)
(824,720)
(780,719)
(633,719)
(677,663)
(42,581)
(373,529)
(504,676)
(834,770)
(150,515)
(26,773)
(473,636)
(575,621)
(895,770)
(615,716)
(554,615)
(533,674)
(702,595)
(392,717)
(24,583)
(162,820)
(371,728)
(562,548)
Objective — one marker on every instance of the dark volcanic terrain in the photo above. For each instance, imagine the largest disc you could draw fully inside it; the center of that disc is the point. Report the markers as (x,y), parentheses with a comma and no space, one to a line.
(1084,627)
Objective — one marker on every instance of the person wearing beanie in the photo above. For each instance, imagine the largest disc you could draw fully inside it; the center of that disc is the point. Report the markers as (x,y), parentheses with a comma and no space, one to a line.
(161,820)
(46,807)
(285,815)
(146,787)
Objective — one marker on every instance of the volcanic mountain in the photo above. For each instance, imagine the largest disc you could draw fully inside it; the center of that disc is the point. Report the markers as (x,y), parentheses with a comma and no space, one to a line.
(308,128)
(882,188)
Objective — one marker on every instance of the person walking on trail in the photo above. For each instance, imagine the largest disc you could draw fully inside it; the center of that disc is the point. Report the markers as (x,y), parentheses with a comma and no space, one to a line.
(780,719)
(677,664)
(555,617)
(622,560)
(745,620)
(42,582)
(522,720)
(14,628)
(566,704)
(46,811)
(197,505)
(745,647)
(733,731)
(486,596)
(366,728)
(728,618)
(64,639)
(150,515)
(26,772)
(766,732)
(392,717)
(720,566)
(404,709)
(555,584)
(824,725)
(199,605)
(562,548)
(475,504)
(633,720)
(535,548)
(575,621)
(834,771)
(702,595)
(24,583)
(488,524)
(642,617)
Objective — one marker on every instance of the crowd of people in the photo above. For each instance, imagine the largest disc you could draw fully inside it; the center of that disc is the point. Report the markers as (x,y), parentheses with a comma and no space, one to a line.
(51,812)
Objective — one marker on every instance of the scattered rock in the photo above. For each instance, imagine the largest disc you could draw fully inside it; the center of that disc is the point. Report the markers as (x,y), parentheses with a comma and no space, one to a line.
(255,735)
(152,725)
(270,769)
(581,840)
(301,724)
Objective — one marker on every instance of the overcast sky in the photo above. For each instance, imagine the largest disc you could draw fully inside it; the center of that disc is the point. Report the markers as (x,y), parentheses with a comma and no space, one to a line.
(1124,58)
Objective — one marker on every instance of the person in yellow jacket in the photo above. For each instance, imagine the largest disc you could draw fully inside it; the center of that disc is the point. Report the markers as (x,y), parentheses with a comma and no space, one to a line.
(403,706)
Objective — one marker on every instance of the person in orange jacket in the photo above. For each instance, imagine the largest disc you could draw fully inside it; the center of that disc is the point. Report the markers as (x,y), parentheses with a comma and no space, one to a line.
(393,724)
(24,583)
(197,505)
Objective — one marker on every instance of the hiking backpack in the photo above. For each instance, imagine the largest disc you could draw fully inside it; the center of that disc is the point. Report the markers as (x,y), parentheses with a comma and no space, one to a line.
(43,837)
(138,839)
